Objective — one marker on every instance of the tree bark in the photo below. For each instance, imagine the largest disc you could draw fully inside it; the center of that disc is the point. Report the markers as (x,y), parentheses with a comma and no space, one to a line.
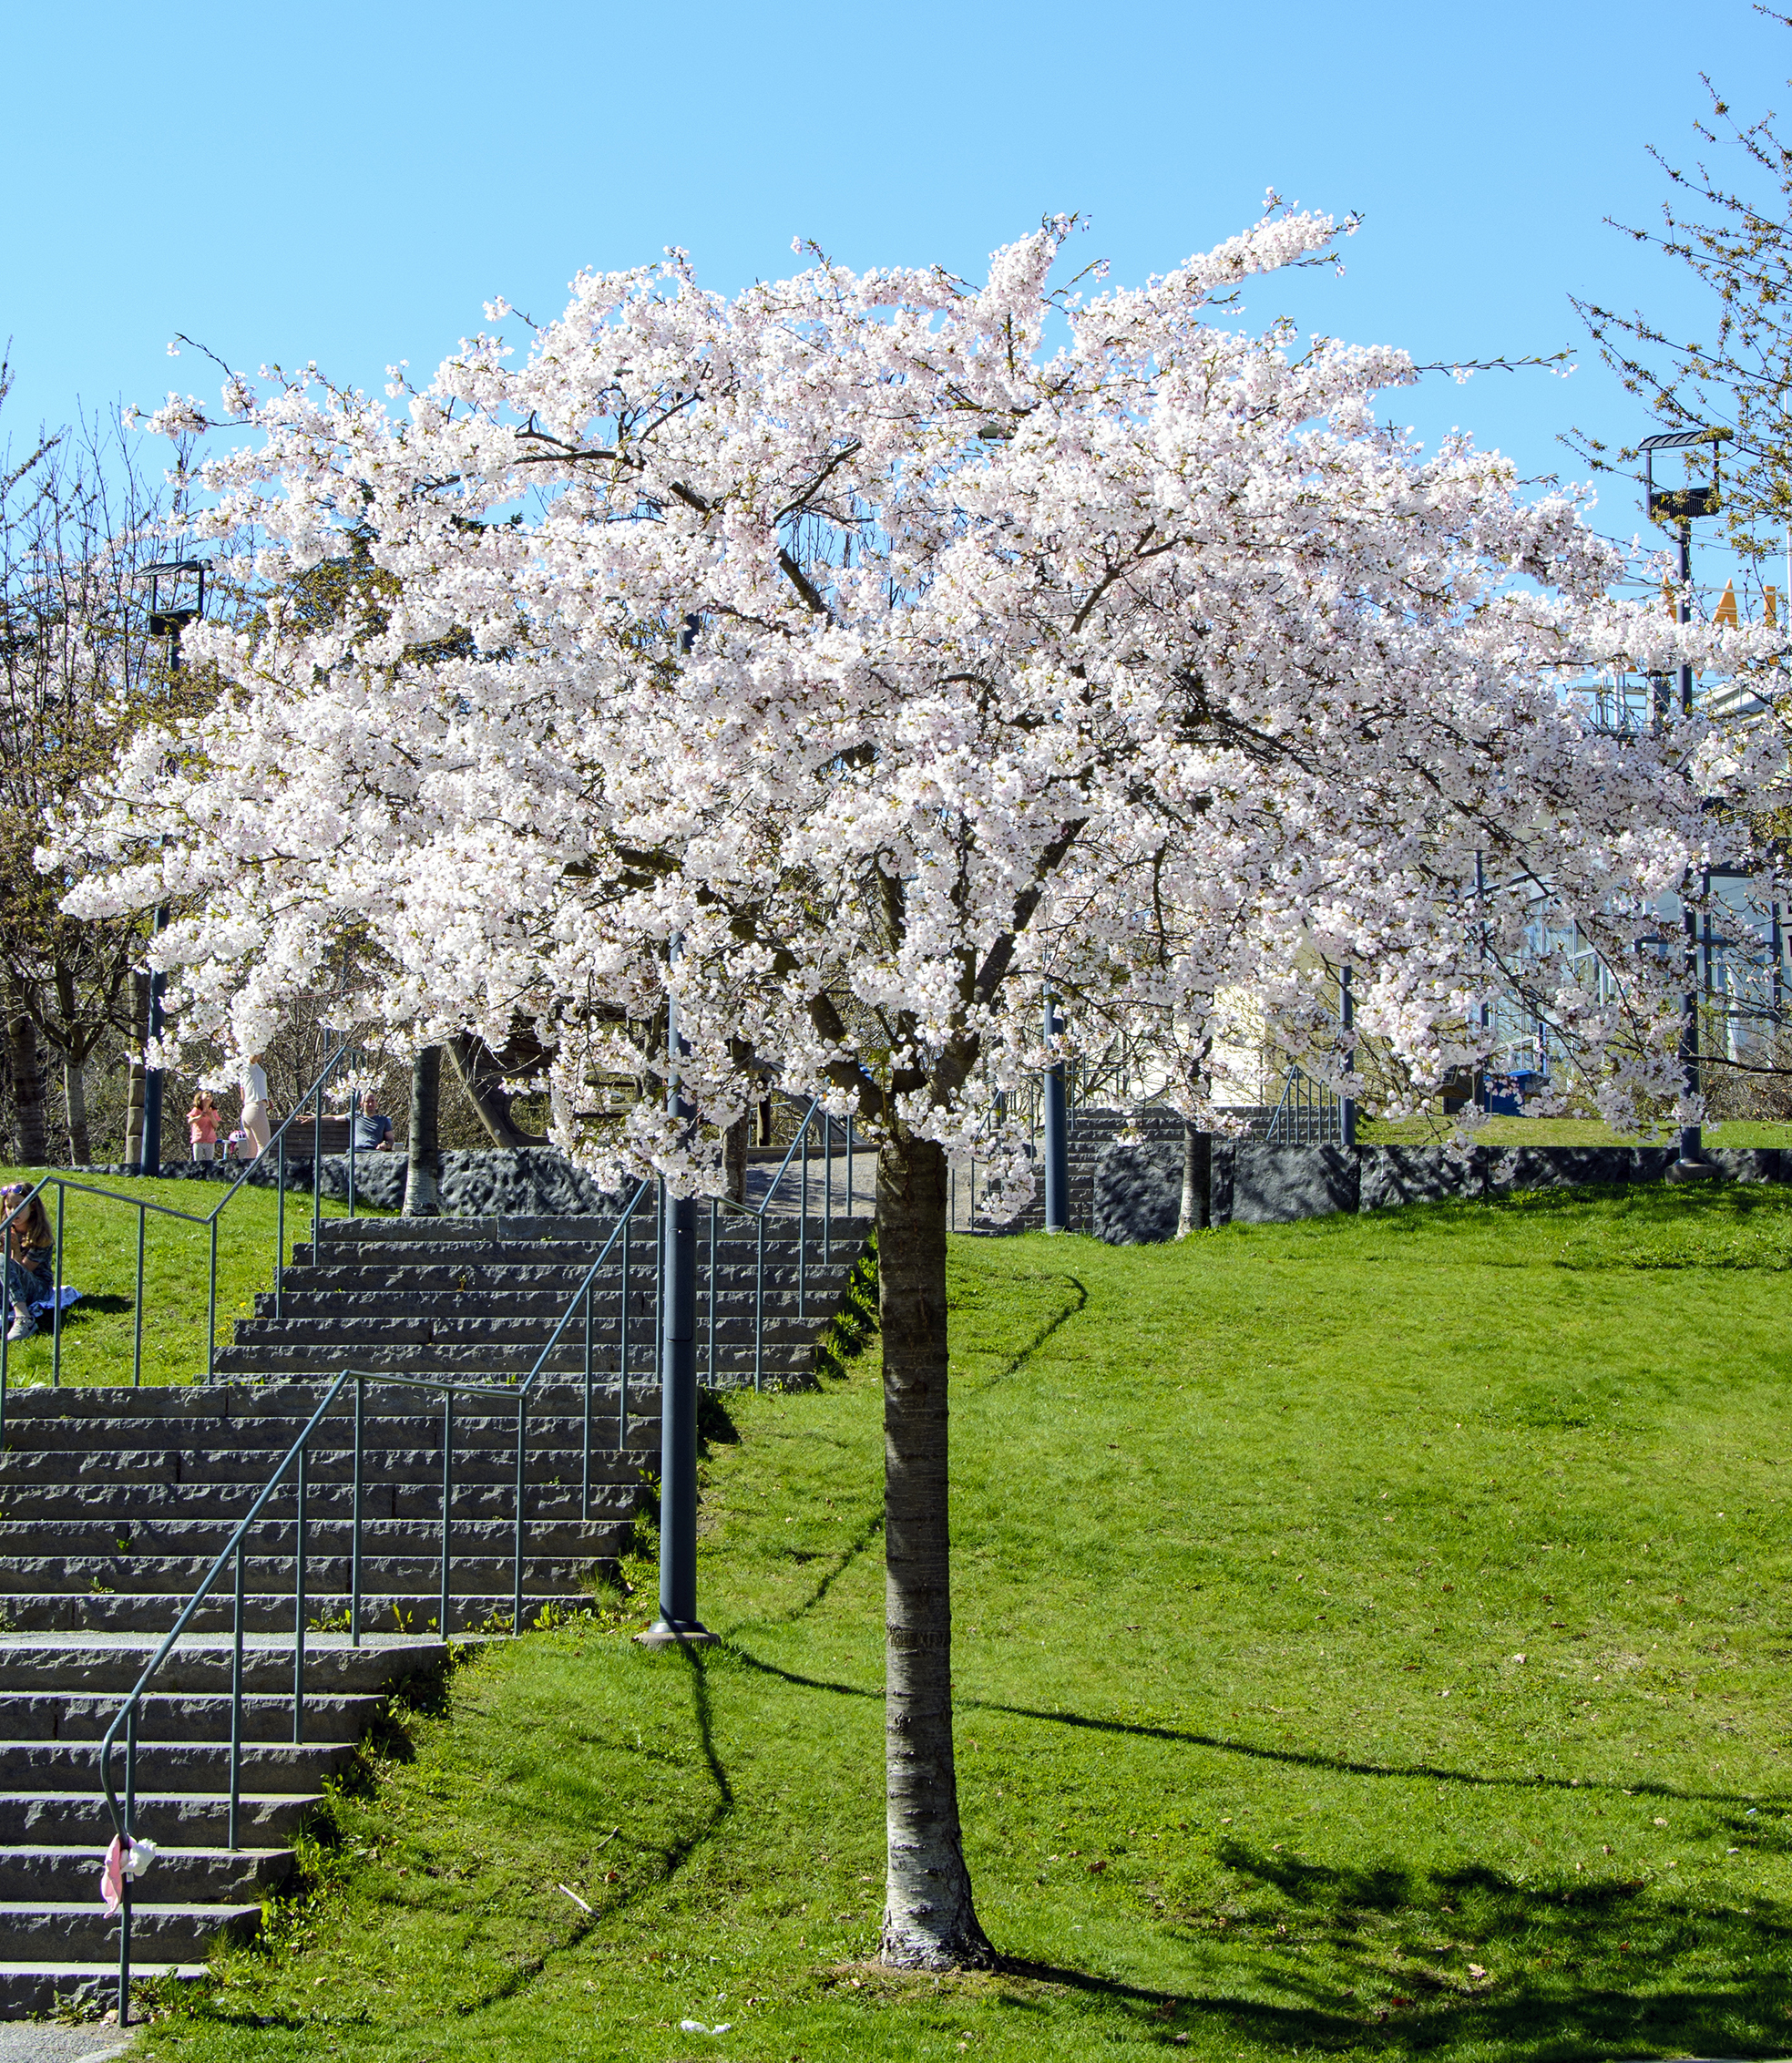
(929,1921)
(140,1031)
(75,1098)
(26,1065)
(1196,1212)
(483,1079)
(735,1159)
(423,1173)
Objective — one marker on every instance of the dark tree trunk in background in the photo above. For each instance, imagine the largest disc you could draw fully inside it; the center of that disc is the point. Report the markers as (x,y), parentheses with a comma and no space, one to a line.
(734,1143)
(75,1099)
(26,1065)
(140,1031)
(483,1079)
(423,1174)
(929,1921)
(1197,1212)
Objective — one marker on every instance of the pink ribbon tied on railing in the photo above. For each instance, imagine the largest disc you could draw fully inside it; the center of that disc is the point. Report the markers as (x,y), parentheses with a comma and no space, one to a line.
(123,1859)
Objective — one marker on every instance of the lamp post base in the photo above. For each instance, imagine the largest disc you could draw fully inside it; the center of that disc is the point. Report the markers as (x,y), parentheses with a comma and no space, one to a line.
(677,1633)
(1694,1170)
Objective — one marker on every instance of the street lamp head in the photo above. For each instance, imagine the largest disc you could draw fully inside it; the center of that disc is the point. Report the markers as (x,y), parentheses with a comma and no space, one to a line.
(1680,505)
(177,594)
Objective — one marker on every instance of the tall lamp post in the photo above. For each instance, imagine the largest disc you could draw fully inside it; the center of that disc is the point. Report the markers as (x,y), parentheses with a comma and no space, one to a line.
(1057,1131)
(678,1624)
(177,597)
(1679,506)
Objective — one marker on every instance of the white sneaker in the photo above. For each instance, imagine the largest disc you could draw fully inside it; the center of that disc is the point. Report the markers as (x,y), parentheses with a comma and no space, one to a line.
(23,1326)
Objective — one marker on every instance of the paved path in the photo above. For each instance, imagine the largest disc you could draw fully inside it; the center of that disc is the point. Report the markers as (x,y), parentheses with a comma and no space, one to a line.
(41,2041)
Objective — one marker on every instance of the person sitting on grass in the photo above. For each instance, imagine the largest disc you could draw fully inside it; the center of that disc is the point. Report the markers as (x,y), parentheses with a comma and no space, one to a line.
(30,1257)
(202,1122)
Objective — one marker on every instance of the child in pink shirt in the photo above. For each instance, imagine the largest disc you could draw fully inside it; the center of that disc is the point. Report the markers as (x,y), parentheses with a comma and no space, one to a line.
(202,1122)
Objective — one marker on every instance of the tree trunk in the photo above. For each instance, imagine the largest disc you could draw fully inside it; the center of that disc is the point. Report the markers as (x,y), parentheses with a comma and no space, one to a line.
(735,1159)
(139,1032)
(423,1173)
(929,1922)
(1196,1213)
(26,1065)
(483,1080)
(75,1097)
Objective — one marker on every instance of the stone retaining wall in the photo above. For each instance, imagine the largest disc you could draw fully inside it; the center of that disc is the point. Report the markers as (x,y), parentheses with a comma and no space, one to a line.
(531,1182)
(1139,1188)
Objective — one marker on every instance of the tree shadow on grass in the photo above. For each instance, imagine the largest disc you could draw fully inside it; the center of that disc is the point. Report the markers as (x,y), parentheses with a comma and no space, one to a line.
(1400,1959)
(1434,1772)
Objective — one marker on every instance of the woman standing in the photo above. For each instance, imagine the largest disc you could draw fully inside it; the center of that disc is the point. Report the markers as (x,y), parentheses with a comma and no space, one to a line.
(254,1086)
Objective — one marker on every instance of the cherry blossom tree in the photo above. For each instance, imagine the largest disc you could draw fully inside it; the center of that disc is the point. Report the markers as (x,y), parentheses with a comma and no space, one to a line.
(906,650)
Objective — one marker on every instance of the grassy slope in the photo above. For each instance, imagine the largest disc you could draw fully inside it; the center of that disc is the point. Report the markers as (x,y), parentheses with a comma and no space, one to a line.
(1250,1535)
(1561,1132)
(99,1257)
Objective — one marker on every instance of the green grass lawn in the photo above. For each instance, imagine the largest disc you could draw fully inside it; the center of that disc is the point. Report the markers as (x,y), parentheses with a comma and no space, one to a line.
(1371,1639)
(99,1257)
(1557,1132)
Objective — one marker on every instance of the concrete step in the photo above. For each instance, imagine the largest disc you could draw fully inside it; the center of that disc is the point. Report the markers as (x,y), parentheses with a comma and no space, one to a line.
(31,1500)
(324,1464)
(87,1932)
(70,1664)
(414,1612)
(201,1539)
(323,1294)
(270,1575)
(336,1327)
(177,1876)
(74,1716)
(786,1355)
(40,1986)
(41,1441)
(268,1766)
(81,1819)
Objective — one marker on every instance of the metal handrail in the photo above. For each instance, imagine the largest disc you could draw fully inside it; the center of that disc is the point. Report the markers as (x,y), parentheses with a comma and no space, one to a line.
(276,1146)
(517,1390)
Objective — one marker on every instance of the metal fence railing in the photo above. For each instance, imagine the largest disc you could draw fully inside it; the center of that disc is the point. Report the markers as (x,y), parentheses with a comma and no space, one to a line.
(274,1155)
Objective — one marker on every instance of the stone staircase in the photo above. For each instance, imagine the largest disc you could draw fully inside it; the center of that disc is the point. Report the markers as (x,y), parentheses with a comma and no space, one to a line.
(481,1296)
(114,1502)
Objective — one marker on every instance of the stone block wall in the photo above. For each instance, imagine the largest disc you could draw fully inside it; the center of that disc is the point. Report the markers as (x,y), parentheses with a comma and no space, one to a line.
(1138,1188)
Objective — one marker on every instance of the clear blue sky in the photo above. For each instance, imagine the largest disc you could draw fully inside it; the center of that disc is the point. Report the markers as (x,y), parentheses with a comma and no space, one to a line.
(349,183)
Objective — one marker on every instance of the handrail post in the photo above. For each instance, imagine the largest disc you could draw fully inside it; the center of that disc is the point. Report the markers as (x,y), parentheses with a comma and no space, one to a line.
(759,1304)
(715,1209)
(236,1702)
(802,1231)
(211,1306)
(447,1501)
(137,1342)
(124,1874)
(317,1167)
(585,1460)
(828,1189)
(56,1294)
(517,1557)
(622,1338)
(353,1121)
(280,1212)
(852,1208)
(299,1598)
(354,1522)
